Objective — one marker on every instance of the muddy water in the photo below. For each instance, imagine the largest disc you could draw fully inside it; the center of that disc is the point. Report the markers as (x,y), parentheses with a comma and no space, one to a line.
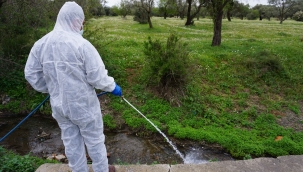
(124,148)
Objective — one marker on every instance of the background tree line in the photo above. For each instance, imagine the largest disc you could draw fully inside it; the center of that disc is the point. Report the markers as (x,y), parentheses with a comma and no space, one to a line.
(189,10)
(22,22)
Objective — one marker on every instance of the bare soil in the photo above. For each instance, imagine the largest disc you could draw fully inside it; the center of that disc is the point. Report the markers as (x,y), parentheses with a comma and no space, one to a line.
(289,119)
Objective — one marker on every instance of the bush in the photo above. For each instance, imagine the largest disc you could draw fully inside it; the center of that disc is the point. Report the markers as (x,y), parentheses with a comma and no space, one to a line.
(167,65)
(253,15)
(298,16)
(141,16)
(265,64)
(11,162)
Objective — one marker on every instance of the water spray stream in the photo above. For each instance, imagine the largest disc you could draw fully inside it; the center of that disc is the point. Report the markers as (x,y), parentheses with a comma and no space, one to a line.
(174,147)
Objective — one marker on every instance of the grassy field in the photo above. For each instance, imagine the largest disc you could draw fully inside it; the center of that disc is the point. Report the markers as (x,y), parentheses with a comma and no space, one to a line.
(240,94)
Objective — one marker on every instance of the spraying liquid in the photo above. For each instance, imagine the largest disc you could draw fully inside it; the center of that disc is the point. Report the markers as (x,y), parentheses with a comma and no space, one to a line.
(174,147)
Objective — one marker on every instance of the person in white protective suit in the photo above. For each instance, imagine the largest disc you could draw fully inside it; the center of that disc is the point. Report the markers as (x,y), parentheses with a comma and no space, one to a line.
(69,68)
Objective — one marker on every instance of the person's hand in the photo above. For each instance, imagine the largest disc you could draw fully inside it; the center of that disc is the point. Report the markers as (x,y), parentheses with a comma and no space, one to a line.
(117,91)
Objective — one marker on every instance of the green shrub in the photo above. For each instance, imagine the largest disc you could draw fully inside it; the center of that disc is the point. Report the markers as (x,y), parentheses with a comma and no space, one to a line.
(16,42)
(298,16)
(266,64)
(167,64)
(11,162)
(253,15)
(141,16)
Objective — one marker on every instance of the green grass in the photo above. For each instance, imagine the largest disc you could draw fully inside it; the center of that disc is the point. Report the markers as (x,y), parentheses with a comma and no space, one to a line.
(11,162)
(233,90)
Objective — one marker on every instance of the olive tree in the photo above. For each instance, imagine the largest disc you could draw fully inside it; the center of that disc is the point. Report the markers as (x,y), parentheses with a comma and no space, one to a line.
(167,7)
(240,10)
(198,5)
(229,8)
(217,9)
(266,11)
(284,7)
(125,8)
(145,6)
(181,8)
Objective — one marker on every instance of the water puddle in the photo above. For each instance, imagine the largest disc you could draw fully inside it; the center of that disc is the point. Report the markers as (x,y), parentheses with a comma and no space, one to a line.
(124,148)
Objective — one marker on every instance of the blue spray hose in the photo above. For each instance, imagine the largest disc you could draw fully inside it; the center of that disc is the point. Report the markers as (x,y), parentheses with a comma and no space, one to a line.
(30,114)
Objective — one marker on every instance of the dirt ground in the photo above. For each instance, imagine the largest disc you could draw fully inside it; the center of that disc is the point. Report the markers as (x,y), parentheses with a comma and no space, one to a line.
(291,120)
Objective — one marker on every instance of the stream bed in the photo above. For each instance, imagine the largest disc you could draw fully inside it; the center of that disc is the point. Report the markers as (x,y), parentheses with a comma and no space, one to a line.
(122,146)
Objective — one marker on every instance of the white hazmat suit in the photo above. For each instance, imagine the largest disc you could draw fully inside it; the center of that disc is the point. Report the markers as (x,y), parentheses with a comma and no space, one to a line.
(68,67)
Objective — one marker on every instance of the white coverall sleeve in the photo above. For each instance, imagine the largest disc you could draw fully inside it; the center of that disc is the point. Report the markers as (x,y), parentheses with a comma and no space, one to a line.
(96,74)
(34,73)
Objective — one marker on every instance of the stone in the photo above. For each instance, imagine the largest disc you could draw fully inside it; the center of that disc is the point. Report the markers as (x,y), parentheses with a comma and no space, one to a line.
(50,157)
(60,158)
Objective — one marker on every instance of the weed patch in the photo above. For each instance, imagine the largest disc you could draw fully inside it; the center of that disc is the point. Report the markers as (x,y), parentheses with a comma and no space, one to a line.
(11,162)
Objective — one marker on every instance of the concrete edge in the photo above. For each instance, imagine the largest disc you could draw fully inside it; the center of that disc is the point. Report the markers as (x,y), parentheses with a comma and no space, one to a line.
(292,163)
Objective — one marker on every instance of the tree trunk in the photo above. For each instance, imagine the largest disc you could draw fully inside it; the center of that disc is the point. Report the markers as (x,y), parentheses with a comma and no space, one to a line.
(281,18)
(217,29)
(228,16)
(165,15)
(190,16)
(189,19)
(149,22)
(181,15)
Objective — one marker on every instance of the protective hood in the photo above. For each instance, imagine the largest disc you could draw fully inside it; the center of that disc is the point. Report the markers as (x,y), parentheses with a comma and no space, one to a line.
(70,18)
